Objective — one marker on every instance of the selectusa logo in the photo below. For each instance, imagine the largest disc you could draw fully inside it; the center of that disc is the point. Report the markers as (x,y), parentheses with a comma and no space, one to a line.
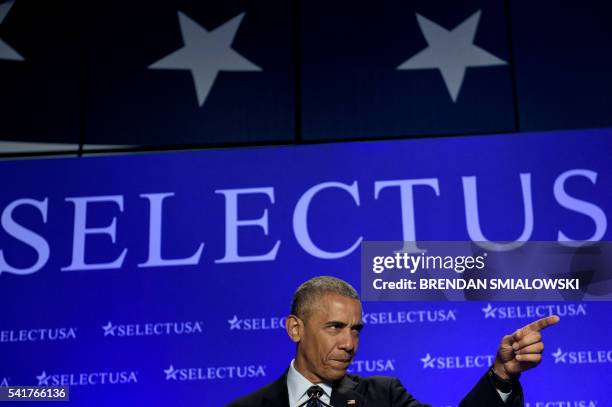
(214,372)
(534,311)
(256,324)
(87,379)
(38,334)
(583,357)
(564,403)
(372,366)
(409,317)
(153,329)
(457,362)
(84,239)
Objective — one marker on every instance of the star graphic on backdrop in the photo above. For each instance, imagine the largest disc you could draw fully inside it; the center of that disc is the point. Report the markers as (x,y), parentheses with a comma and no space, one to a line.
(43,379)
(451,52)
(7,52)
(205,53)
(109,329)
(234,322)
(171,373)
(428,361)
(489,311)
(559,356)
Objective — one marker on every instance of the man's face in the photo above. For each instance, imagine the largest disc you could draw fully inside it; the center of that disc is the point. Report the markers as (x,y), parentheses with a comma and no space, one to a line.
(328,338)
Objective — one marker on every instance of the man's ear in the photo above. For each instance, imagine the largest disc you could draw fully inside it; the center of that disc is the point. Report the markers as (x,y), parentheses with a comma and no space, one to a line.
(295,328)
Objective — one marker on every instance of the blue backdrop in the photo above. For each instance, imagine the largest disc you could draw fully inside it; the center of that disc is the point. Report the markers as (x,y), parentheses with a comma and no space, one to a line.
(163,279)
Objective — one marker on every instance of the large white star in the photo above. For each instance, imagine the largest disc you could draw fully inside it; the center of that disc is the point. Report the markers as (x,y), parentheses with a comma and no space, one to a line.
(7,52)
(205,53)
(451,52)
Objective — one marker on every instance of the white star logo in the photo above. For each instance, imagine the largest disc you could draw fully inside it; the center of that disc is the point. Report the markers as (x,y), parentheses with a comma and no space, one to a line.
(428,361)
(43,379)
(489,311)
(451,52)
(560,356)
(109,329)
(171,373)
(7,52)
(205,53)
(234,322)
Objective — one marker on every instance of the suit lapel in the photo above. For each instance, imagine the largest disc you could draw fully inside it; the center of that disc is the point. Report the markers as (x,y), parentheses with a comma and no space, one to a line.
(344,394)
(277,394)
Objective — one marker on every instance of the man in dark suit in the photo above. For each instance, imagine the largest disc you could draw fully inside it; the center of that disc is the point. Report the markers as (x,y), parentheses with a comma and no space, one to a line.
(325,322)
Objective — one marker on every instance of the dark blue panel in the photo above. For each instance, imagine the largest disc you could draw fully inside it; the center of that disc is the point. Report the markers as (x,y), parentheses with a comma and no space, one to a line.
(351,87)
(563,63)
(130,103)
(40,76)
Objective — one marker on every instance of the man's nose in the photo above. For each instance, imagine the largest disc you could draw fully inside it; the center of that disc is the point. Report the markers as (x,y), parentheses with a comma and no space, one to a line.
(348,341)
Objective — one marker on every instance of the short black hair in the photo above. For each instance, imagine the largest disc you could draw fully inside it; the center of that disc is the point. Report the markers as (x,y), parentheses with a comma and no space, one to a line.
(312,290)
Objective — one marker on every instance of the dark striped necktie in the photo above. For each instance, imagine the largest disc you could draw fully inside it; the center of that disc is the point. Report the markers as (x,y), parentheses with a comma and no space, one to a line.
(314,394)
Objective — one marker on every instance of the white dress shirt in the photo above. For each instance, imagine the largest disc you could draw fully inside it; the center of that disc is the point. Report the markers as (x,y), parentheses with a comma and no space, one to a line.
(298,385)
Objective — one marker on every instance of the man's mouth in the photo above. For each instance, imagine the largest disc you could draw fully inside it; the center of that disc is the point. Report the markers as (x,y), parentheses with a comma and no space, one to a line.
(342,362)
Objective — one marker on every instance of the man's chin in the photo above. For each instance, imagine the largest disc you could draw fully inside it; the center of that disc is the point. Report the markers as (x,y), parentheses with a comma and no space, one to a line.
(335,375)
(337,372)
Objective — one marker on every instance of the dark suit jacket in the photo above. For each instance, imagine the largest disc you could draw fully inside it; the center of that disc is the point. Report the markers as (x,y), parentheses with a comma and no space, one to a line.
(376,391)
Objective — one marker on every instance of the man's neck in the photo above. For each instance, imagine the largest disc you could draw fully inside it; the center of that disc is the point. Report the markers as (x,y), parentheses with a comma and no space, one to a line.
(300,366)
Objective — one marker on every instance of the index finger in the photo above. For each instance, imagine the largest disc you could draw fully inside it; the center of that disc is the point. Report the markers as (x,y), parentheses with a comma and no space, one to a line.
(536,326)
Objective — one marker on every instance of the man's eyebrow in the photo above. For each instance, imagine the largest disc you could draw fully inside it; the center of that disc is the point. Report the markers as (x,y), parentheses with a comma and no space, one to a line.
(336,323)
(341,324)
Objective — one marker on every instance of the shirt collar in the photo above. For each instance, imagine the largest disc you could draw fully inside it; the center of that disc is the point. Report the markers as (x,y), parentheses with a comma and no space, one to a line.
(298,385)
